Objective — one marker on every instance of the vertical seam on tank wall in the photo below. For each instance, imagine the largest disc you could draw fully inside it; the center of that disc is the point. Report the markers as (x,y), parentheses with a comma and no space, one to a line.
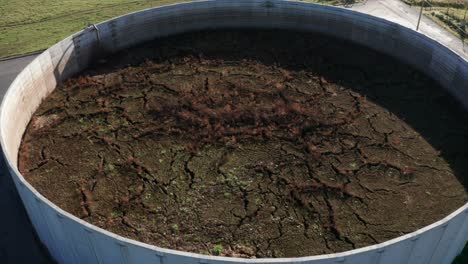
(464,235)
(31,113)
(71,246)
(413,241)
(446,251)
(52,236)
(341,260)
(123,249)
(160,257)
(112,25)
(455,76)
(379,252)
(76,52)
(43,74)
(89,237)
(444,227)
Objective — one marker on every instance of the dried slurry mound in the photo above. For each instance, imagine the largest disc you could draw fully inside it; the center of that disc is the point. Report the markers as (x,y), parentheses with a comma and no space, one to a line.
(250,144)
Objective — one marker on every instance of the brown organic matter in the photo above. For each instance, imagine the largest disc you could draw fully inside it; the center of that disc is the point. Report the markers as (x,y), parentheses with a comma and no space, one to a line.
(250,144)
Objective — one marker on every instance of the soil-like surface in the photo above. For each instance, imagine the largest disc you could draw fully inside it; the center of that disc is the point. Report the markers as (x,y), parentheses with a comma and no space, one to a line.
(250,144)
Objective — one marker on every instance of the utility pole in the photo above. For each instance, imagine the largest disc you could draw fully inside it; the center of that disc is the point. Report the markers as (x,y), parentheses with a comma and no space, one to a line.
(420,14)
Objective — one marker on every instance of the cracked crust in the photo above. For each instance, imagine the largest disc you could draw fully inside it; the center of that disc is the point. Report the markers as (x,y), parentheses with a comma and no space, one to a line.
(284,149)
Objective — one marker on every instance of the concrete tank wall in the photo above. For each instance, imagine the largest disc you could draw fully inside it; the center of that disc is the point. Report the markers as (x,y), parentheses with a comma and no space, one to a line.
(71,240)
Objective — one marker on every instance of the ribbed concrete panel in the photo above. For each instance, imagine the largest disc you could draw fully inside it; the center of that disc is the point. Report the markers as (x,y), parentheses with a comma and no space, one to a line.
(397,253)
(28,199)
(79,242)
(71,240)
(47,72)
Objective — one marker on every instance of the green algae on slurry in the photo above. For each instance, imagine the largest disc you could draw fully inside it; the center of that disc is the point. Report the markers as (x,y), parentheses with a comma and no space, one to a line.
(297,145)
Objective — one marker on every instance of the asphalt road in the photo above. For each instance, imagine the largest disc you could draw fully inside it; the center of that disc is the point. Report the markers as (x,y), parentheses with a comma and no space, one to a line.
(19,245)
(9,69)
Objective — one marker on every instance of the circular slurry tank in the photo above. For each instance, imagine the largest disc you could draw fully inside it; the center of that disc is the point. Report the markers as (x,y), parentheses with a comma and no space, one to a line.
(72,240)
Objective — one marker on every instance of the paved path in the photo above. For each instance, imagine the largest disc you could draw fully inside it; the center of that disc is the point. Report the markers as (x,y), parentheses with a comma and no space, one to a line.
(18,244)
(9,69)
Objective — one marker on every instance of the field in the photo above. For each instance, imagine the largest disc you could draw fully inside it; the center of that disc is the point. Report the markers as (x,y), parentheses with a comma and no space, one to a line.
(446,3)
(450,14)
(450,21)
(32,25)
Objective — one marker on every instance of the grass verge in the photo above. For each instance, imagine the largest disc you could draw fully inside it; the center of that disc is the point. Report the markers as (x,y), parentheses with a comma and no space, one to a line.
(449,14)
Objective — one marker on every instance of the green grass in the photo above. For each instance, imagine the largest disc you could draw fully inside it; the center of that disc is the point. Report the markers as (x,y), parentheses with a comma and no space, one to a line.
(450,21)
(32,25)
(440,3)
(449,14)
